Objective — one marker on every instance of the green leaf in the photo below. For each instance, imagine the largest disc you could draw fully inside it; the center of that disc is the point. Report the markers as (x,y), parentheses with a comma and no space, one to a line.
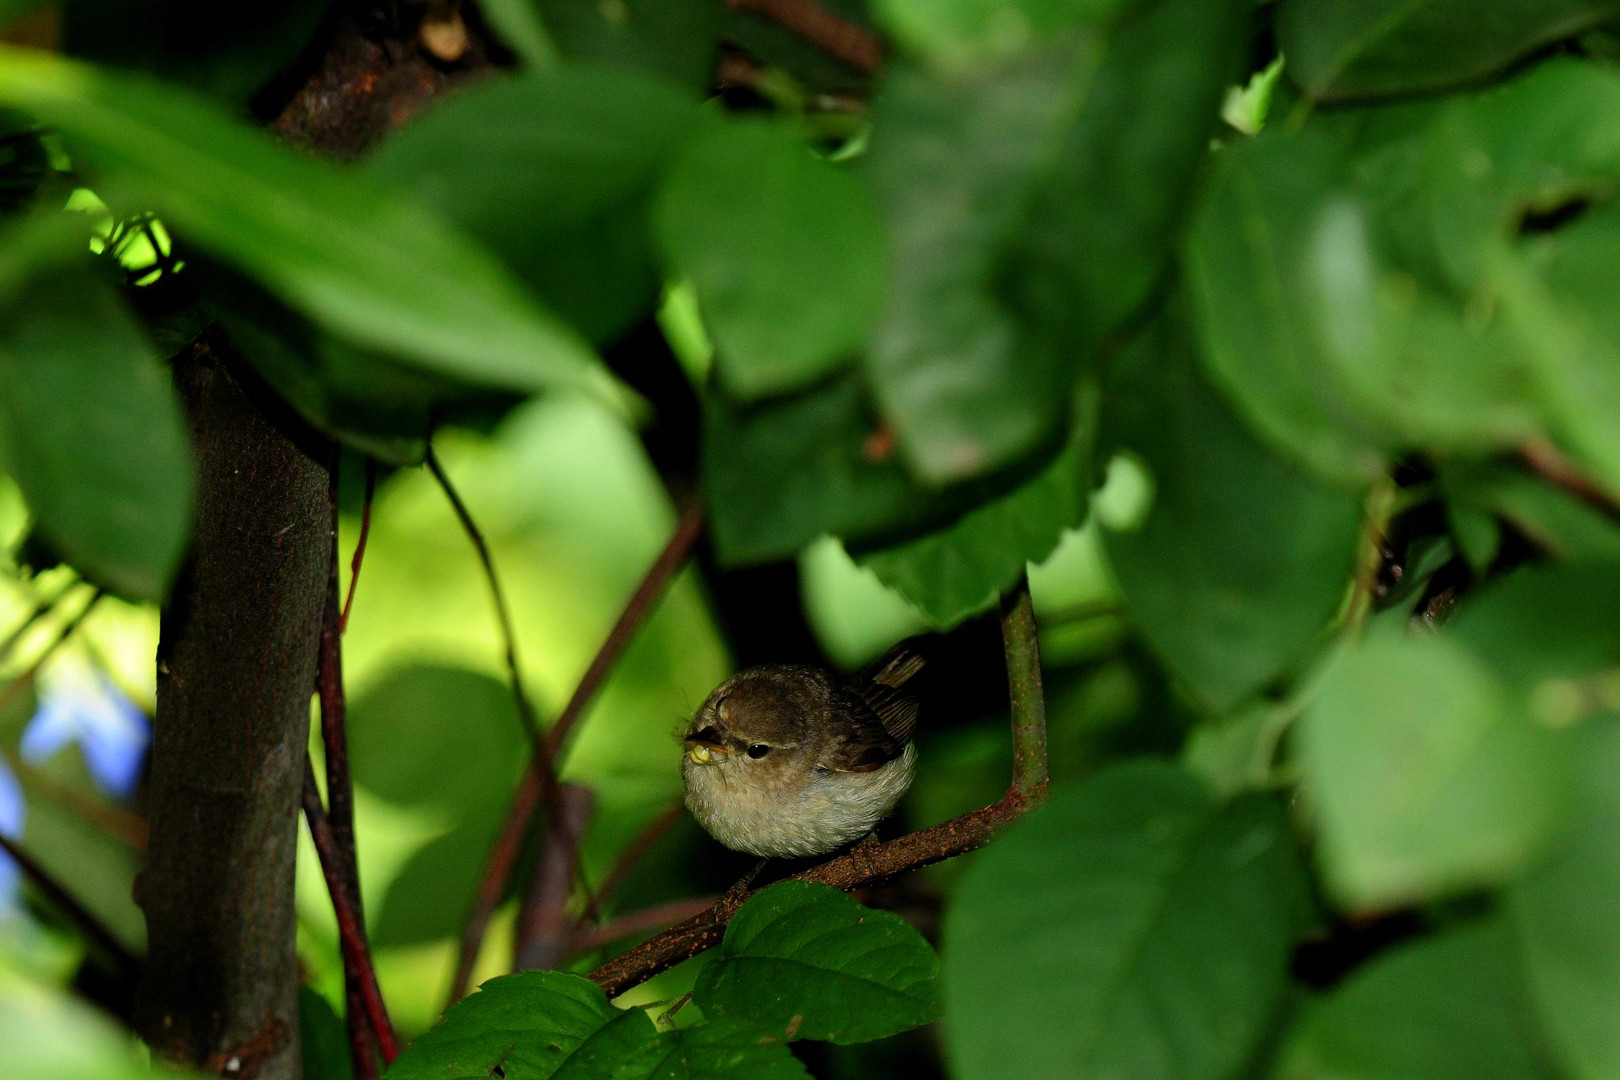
(518,24)
(1554,520)
(962,569)
(554,171)
(1544,623)
(1380,48)
(630,1049)
(323,1038)
(1132,928)
(1027,224)
(1565,912)
(958,33)
(228,50)
(784,250)
(49,1034)
(1428,774)
(1241,560)
(369,267)
(803,961)
(528,1024)
(92,433)
(436,736)
(428,899)
(1450,1007)
(672,39)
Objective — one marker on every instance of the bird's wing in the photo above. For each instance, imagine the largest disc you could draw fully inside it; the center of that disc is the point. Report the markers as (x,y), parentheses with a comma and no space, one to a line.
(861,741)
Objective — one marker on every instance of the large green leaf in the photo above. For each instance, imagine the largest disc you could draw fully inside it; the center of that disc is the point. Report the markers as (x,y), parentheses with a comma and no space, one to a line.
(369,266)
(435,736)
(1026,222)
(1132,928)
(1241,560)
(1546,623)
(1566,914)
(1448,1008)
(229,50)
(629,1048)
(92,433)
(961,569)
(783,249)
(528,1024)
(553,171)
(803,961)
(1377,48)
(323,1039)
(1428,773)
(673,39)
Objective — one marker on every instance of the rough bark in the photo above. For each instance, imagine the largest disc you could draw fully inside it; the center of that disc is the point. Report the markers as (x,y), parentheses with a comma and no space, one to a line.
(236,666)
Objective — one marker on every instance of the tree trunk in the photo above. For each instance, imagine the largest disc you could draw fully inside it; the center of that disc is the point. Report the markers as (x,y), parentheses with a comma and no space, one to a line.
(236,668)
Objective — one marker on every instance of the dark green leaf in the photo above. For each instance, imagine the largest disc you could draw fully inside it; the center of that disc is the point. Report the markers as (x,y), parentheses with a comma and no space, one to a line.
(784,251)
(323,1038)
(961,569)
(803,961)
(518,25)
(428,899)
(673,39)
(93,435)
(1545,623)
(630,1049)
(1554,520)
(228,50)
(956,33)
(435,736)
(1428,773)
(1026,223)
(1566,914)
(1377,48)
(370,267)
(553,171)
(1449,1008)
(1132,928)
(1242,560)
(528,1024)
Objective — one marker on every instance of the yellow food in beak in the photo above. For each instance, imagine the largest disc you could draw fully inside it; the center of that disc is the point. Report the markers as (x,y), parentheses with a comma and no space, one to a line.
(700,754)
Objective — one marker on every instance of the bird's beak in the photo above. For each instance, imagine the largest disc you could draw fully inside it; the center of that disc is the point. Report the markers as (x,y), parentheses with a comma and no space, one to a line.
(702,746)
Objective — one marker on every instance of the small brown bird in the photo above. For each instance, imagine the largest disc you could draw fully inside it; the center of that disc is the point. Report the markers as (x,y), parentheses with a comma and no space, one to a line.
(784,760)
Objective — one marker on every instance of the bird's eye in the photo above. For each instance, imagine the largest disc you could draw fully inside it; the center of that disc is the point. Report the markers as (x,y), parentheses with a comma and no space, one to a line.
(758,750)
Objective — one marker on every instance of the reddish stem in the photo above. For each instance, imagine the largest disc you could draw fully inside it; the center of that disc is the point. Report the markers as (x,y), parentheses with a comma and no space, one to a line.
(360,544)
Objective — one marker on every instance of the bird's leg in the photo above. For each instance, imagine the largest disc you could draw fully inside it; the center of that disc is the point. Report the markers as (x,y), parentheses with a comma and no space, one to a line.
(735,894)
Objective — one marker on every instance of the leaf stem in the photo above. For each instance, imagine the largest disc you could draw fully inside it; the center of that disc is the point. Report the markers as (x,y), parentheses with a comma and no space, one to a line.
(1023,650)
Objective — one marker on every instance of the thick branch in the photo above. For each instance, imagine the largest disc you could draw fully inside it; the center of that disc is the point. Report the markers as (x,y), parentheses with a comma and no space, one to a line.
(520,815)
(870,863)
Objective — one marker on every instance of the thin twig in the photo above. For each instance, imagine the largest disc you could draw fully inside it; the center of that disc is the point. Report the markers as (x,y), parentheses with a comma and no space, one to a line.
(868,863)
(1548,462)
(93,928)
(26,679)
(520,814)
(360,543)
(351,932)
(828,31)
(656,917)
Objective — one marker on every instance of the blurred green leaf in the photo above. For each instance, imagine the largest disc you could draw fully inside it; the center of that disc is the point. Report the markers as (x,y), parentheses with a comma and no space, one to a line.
(672,39)
(1026,223)
(518,25)
(428,898)
(1378,48)
(1545,623)
(1132,928)
(956,33)
(228,50)
(1566,914)
(629,1048)
(1428,774)
(784,250)
(323,1038)
(961,569)
(554,172)
(1451,1007)
(47,1035)
(436,736)
(1242,560)
(528,1024)
(803,961)
(93,435)
(370,267)
(1567,528)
